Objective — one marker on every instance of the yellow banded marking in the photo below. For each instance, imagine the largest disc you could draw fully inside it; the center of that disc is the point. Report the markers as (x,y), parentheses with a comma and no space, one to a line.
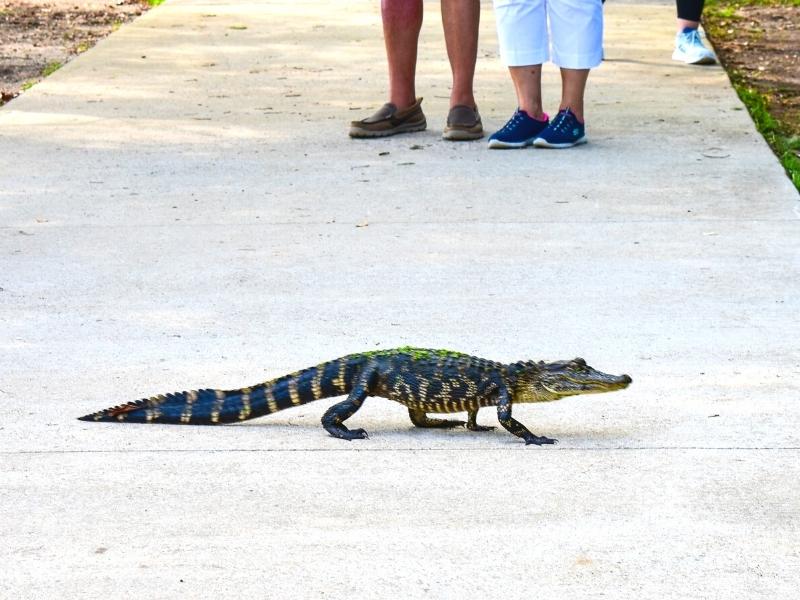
(220,395)
(443,396)
(186,414)
(245,411)
(339,382)
(423,390)
(272,404)
(293,394)
(316,384)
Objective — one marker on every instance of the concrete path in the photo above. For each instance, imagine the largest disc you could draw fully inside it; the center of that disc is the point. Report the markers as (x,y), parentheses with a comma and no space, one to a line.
(181,207)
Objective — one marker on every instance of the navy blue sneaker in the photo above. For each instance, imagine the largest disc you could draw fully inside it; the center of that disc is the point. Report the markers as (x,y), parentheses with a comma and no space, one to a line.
(520,131)
(564,132)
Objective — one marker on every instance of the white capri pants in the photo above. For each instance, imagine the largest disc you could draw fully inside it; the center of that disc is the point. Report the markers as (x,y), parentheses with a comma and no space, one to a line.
(575,33)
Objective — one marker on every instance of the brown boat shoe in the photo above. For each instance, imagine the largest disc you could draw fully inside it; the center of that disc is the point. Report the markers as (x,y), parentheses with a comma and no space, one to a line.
(390,121)
(463,123)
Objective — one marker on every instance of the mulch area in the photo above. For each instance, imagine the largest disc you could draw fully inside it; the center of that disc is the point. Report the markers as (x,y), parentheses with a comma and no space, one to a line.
(760,46)
(38,36)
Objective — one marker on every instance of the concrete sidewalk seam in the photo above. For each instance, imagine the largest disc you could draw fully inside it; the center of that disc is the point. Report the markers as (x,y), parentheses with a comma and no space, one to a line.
(453,449)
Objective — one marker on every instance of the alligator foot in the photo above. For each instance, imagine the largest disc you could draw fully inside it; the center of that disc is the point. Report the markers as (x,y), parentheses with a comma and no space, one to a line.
(472,422)
(476,427)
(539,440)
(449,423)
(421,419)
(350,434)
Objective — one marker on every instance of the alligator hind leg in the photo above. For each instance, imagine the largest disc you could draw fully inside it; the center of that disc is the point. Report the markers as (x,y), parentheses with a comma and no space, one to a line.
(472,422)
(421,419)
(335,416)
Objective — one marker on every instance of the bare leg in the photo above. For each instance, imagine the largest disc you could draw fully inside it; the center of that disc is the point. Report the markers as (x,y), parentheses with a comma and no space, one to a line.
(689,14)
(460,19)
(402,21)
(573,85)
(528,85)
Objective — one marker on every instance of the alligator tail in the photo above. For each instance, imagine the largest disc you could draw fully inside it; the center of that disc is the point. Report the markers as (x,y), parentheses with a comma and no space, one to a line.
(212,407)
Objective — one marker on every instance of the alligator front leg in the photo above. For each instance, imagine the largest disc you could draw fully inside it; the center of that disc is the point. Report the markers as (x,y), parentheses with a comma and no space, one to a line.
(421,419)
(514,426)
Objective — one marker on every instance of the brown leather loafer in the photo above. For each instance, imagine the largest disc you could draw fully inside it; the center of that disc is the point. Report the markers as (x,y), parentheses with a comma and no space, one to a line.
(390,121)
(463,123)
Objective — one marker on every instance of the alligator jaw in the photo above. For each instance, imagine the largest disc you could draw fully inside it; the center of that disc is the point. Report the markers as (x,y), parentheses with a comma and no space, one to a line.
(586,381)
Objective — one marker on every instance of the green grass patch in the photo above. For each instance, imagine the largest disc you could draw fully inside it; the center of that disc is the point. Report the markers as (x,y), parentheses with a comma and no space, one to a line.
(51,68)
(155,2)
(785,146)
(48,70)
(737,4)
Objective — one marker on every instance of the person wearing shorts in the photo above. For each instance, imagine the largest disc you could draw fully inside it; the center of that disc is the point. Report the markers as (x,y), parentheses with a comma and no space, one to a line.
(530,32)
(402,20)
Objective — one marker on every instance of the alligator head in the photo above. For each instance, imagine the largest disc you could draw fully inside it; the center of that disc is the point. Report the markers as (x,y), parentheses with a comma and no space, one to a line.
(543,382)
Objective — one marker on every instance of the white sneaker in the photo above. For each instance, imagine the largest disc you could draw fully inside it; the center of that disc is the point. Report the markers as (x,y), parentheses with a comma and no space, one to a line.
(689,48)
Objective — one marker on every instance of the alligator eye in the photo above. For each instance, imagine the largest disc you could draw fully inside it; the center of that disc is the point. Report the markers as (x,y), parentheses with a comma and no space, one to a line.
(580,362)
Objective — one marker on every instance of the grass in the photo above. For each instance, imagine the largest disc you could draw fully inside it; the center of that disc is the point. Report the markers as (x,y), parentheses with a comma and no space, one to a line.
(780,130)
(51,68)
(785,145)
(155,2)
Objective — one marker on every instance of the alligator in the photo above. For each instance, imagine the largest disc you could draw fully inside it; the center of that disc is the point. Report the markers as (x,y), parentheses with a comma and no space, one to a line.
(423,380)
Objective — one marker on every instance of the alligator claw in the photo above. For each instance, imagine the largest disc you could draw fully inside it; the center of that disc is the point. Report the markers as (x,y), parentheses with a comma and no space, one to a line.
(358,434)
(481,427)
